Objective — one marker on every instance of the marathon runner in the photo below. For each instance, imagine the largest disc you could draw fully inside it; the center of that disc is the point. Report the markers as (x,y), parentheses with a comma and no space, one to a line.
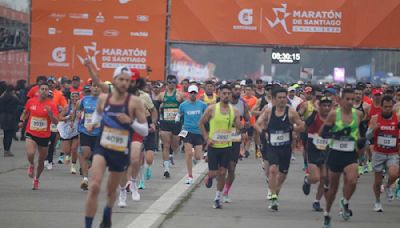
(222,117)
(41,112)
(68,129)
(88,140)
(342,125)
(209,97)
(279,121)
(191,111)
(118,113)
(237,139)
(316,147)
(169,130)
(384,129)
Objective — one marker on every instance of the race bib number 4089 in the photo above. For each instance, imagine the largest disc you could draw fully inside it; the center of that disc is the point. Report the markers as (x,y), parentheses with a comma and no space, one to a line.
(114,139)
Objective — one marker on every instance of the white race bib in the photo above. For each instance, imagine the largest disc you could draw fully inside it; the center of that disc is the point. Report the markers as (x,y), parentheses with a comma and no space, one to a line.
(38,124)
(88,120)
(170,114)
(320,143)
(387,141)
(236,137)
(183,133)
(114,139)
(222,136)
(345,146)
(279,139)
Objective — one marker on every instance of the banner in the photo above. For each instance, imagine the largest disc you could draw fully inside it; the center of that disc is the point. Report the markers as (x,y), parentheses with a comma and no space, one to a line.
(111,33)
(325,23)
(13,66)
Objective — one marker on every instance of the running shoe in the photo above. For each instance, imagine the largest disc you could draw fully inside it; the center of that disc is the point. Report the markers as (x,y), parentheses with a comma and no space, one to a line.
(61,159)
(166,174)
(217,204)
(208,181)
(246,154)
(141,184)
(389,194)
(105,224)
(327,222)
(30,171)
(317,207)
(148,173)
(345,211)
(274,203)
(360,170)
(189,181)
(135,192)
(49,166)
(195,161)
(306,186)
(226,199)
(122,198)
(73,169)
(35,184)
(366,169)
(293,158)
(378,207)
(84,185)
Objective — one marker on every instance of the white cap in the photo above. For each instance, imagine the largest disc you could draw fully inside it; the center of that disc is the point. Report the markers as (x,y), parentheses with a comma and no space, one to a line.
(243,82)
(193,88)
(291,89)
(122,70)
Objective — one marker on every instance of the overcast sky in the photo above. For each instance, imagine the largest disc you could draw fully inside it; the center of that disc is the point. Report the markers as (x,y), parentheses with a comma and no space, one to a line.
(20,5)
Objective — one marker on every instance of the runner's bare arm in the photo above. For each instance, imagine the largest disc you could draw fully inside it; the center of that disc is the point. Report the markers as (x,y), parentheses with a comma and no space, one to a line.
(328,124)
(180,97)
(204,119)
(298,124)
(255,111)
(262,120)
(372,127)
(237,119)
(96,121)
(95,78)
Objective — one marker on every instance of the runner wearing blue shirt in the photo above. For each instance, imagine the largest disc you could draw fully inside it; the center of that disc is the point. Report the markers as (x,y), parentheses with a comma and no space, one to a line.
(191,111)
(88,139)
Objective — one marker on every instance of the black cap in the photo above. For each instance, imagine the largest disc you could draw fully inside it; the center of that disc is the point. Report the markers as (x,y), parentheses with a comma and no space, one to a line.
(76,78)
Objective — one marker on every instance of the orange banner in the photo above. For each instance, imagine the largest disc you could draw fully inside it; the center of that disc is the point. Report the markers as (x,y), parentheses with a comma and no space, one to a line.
(339,23)
(112,33)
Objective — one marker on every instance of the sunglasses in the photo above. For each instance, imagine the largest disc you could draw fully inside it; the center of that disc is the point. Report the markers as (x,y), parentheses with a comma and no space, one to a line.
(172,82)
(325,99)
(193,92)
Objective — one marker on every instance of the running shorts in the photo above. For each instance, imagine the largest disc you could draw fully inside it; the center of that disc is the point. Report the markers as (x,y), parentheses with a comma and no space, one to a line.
(194,139)
(218,157)
(42,142)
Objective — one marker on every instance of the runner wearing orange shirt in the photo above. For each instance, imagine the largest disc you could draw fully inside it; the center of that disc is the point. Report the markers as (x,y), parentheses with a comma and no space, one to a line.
(251,100)
(42,111)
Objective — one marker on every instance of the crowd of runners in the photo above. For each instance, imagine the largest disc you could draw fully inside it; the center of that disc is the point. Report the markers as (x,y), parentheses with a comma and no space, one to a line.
(346,129)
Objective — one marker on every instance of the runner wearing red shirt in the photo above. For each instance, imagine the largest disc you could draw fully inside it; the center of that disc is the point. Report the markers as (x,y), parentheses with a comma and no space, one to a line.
(42,112)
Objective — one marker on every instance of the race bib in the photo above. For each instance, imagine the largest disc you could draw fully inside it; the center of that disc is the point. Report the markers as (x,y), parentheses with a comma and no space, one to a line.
(170,114)
(320,143)
(387,141)
(236,137)
(114,139)
(344,146)
(222,136)
(183,133)
(53,128)
(38,124)
(88,120)
(280,139)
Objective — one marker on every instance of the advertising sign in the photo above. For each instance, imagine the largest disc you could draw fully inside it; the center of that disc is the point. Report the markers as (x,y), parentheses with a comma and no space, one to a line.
(339,23)
(111,33)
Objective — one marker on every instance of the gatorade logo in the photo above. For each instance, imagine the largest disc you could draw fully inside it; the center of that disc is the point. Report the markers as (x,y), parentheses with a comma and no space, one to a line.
(59,54)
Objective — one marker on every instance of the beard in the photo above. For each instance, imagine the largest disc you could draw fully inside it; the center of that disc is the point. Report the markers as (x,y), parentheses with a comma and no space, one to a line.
(235,96)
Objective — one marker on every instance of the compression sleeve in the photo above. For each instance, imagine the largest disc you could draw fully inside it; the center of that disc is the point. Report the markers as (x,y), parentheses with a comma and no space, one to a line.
(140,128)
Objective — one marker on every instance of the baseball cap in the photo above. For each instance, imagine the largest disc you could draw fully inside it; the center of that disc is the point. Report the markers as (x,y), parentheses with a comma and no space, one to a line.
(376,91)
(135,74)
(308,89)
(121,70)
(331,91)
(193,88)
(291,89)
(76,78)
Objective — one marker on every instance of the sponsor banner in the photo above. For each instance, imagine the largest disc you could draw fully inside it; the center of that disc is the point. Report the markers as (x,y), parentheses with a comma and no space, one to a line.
(13,66)
(110,33)
(340,23)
